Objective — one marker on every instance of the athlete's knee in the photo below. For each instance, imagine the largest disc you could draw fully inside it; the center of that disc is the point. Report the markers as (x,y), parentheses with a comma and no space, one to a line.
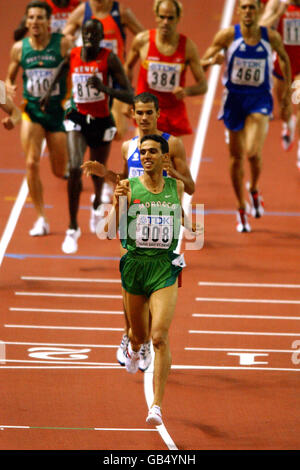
(254,157)
(32,166)
(160,339)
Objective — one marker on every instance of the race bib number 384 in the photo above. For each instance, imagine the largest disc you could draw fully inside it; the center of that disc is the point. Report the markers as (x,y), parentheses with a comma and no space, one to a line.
(250,72)
(154,231)
(162,76)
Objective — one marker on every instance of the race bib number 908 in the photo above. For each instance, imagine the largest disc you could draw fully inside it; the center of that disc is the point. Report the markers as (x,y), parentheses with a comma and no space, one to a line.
(163,77)
(82,92)
(38,82)
(249,72)
(154,231)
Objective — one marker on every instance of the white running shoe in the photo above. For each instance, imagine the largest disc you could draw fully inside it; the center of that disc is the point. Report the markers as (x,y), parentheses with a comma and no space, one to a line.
(70,244)
(131,360)
(242,221)
(107,193)
(96,216)
(257,202)
(145,356)
(154,416)
(40,228)
(122,349)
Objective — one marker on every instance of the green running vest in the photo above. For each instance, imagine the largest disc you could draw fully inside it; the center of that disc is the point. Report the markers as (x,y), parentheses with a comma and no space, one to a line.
(153,220)
(38,69)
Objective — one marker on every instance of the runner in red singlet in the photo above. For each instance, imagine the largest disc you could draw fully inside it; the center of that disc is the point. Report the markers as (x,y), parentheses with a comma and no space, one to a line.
(89,122)
(165,55)
(115,19)
(285,15)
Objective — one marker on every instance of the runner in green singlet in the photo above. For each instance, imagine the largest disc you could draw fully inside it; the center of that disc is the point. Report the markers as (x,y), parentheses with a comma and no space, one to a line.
(150,268)
(39,55)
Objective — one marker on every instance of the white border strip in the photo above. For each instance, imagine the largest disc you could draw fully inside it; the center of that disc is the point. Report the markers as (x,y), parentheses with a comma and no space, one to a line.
(194,168)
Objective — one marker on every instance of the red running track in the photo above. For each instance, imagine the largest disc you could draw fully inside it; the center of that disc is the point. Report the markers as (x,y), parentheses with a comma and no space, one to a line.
(235,373)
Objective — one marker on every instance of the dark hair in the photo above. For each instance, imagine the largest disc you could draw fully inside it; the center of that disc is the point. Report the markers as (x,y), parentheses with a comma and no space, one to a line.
(95,22)
(40,4)
(157,138)
(146,97)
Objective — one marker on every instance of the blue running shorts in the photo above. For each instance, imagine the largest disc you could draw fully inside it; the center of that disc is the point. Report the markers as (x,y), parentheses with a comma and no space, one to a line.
(237,106)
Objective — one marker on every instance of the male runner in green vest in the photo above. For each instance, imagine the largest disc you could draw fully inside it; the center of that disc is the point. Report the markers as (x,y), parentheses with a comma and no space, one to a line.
(39,55)
(150,268)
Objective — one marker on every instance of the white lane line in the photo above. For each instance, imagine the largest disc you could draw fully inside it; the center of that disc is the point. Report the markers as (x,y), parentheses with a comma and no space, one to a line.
(60,367)
(255,301)
(15,214)
(174,367)
(71,362)
(56,428)
(23,343)
(249,284)
(81,328)
(71,279)
(194,168)
(62,310)
(250,367)
(244,349)
(251,333)
(56,294)
(261,317)
(13,219)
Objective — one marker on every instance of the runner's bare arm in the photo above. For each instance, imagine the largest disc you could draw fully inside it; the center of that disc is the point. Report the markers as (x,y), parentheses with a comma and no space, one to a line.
(284,62)
(92,167)
(134,53)
(129,20)
(273,11)
(221,41)
(193,61)
(116,70)
(14,64)
(74,21)
(178,167)
(14,114)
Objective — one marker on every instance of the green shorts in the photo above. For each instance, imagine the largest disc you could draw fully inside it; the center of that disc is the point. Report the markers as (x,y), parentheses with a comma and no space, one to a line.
(51,121)
(143,275)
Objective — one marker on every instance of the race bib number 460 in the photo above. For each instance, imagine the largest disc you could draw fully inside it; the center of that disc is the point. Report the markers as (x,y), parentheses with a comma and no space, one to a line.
(250,72)
(162,76)
(82,92)
(154,231)
(38,82)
